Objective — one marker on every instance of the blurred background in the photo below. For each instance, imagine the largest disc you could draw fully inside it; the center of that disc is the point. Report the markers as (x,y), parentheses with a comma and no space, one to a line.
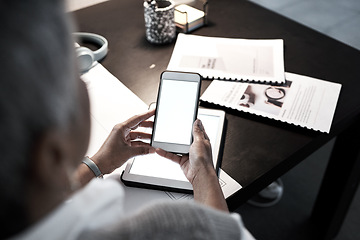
(339,19)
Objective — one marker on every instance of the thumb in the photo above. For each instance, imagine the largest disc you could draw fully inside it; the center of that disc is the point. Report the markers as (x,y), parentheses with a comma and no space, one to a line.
(198,130)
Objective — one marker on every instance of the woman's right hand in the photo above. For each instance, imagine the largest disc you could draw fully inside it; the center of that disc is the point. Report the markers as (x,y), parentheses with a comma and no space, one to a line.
(199,169)
(199,158)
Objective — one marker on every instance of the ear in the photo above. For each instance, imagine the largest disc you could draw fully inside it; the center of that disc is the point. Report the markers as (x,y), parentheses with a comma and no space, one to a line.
(49,161)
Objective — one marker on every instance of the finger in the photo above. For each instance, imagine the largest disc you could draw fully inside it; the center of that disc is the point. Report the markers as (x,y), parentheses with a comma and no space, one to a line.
(203,130)
(140,144)
(146,124)
(199,131)
(134,122)
(141,148)
(139,135)
(168,155)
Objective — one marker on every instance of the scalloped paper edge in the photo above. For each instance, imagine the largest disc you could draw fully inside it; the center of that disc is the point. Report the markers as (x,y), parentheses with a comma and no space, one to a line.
(333,91)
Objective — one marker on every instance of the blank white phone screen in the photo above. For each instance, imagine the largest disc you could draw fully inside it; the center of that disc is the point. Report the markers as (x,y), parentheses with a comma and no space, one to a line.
(175,113)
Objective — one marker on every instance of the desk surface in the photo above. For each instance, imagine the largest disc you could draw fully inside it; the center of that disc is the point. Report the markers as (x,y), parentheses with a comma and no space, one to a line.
(257,150)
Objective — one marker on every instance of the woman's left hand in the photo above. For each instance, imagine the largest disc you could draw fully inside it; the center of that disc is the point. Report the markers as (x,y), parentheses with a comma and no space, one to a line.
(122,143)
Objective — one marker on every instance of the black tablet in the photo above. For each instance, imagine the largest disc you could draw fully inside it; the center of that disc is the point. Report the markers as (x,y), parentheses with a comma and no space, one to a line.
(155,172)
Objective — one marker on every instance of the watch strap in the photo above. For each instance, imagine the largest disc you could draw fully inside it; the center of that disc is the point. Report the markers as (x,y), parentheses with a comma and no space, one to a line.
(90,163)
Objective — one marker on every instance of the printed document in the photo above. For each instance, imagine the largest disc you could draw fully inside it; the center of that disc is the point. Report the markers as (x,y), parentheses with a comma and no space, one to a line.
(302,101)
(229,58)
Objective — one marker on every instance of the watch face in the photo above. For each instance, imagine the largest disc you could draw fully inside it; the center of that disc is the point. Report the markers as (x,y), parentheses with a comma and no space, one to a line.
(275,93)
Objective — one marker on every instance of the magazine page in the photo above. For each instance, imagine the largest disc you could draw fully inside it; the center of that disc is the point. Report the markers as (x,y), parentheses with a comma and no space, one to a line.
(303,101)
(229,58)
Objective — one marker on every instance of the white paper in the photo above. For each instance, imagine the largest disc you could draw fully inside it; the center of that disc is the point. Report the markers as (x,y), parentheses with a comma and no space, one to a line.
(229,58)
(111,102)
(303,101)
(228,186)
(73,5)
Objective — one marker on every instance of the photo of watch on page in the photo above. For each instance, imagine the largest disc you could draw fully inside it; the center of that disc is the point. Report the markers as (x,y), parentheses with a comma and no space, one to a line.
(176,111)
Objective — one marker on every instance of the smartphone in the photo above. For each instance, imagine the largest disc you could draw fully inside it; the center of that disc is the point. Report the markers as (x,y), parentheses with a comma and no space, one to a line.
(176,110)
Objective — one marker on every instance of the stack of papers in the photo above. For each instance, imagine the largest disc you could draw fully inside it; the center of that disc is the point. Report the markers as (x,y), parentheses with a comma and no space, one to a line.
(262,87)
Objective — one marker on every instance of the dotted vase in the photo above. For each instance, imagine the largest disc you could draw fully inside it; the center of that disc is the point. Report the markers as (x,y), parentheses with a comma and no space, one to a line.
(159,21)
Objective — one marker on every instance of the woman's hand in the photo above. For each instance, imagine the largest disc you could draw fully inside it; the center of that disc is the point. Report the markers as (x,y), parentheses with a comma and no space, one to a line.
(199,158)
(199,170)
(122,143)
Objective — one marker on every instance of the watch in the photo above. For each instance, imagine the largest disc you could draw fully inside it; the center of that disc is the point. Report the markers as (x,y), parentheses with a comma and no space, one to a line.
(274,93)
(93,167)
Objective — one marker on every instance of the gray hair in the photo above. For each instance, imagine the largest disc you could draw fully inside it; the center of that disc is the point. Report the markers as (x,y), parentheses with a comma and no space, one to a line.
(38,88)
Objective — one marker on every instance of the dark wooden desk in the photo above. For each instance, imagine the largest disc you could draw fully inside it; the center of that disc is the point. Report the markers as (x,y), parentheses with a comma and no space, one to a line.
(257,151)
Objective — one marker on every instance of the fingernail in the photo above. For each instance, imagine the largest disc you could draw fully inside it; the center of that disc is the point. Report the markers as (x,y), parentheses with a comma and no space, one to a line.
(200,124)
